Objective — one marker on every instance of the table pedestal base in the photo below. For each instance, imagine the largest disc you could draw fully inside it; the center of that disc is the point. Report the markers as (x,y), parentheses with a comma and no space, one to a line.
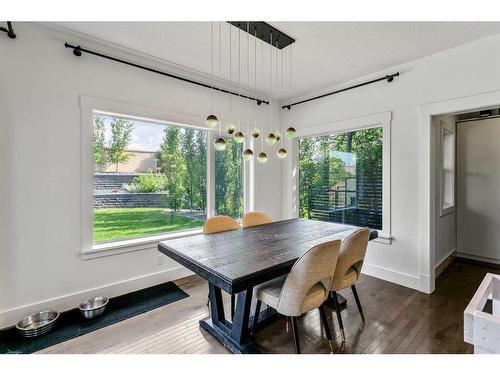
(249,347)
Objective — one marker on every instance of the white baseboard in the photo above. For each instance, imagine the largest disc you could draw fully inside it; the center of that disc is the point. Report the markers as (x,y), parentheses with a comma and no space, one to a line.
(438,263)
(70,301)
(479,258)
(400,278)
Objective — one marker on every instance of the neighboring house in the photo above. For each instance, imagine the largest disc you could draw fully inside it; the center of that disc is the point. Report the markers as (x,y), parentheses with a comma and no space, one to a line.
(138,162)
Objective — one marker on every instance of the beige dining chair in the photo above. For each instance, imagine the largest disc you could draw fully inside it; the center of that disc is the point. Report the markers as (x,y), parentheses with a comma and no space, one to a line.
(253,218)
(218,224)
(304,289)
(348,270)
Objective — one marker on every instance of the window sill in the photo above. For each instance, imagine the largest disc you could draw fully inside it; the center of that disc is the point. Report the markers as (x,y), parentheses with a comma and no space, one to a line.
(136,244)
(383,238)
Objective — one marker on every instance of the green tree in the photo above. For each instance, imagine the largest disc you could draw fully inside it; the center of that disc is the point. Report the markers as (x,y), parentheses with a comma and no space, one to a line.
(200,170)
(189,152)
(99,143)
(229,180)
(121,135)
(173,165)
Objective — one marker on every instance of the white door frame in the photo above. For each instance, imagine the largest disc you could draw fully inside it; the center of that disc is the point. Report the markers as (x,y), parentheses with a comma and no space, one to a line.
(427,157)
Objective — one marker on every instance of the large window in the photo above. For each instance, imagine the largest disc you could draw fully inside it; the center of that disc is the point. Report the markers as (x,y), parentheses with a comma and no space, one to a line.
(149,178)
(340,178)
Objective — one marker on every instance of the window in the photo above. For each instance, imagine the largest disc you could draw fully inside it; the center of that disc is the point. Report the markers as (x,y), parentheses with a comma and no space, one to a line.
(229,180)
(149,177)
(447,170)
(340,177)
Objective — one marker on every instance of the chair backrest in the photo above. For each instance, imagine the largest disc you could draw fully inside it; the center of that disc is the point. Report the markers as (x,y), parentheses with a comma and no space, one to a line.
(219,224)
(351,257)
(316,265)
(253,218)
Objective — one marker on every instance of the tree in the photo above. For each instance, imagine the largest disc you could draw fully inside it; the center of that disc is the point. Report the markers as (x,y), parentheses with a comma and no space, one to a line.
(189,152)
(200,170)
(99,143)
(121,135)
(173,165)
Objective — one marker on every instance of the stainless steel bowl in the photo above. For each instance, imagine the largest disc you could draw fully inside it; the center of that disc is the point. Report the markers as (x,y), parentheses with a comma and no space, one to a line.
(37,324)
(93,307)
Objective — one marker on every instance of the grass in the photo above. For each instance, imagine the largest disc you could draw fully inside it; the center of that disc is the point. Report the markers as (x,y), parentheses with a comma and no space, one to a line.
(111,224)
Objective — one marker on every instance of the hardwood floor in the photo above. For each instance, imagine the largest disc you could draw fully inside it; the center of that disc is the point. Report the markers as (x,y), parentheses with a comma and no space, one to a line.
(398,320)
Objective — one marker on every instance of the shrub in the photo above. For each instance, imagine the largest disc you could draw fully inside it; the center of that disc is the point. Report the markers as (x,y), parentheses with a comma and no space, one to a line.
(147,183)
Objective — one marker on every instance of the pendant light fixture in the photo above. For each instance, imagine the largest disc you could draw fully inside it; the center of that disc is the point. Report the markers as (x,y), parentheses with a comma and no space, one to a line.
(247,153)
(212,119)
(290,131)
(282,153)
(220,143)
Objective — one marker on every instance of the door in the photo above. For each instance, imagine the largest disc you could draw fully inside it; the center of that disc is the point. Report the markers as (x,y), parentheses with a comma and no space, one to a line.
(478,189)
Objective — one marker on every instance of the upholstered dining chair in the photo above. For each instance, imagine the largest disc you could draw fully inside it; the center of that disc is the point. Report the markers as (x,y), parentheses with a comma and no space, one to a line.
(253,218)
(348,270)
(217,224)
(304,289)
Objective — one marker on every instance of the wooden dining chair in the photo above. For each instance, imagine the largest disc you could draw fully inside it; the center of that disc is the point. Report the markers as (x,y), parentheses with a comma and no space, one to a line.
(348,270)
(218,224)
(304,289)
(253,218)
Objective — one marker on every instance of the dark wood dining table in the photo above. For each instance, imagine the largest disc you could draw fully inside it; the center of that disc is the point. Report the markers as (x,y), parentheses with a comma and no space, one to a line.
(236,261)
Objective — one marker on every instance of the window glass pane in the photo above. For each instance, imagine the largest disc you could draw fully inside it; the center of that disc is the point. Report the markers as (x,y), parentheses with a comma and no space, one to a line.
(149,178)
(340,178)
(448,169)
(229,180)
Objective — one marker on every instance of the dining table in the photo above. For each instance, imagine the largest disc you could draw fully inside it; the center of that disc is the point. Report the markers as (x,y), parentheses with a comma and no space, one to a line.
(236,261)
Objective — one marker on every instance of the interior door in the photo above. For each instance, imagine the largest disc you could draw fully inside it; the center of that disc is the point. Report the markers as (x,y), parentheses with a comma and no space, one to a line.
(478,189)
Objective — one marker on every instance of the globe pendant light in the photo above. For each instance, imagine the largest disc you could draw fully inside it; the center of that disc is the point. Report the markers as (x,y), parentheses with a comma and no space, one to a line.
(291,132)
(231,128)
(220,144)
(282,153)
(212,121)
(277,135)
(239,137)
(262,158)
(247,154)
(271,139)
(255,133)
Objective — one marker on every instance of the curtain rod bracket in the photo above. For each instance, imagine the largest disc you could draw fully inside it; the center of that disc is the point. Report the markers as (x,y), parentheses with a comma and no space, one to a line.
(9,30)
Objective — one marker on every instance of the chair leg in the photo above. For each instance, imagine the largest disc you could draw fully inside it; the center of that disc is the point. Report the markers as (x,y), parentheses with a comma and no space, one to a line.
(358,302)
(324,321)
(256,316)
(208,299)
(295,331)
(337,311)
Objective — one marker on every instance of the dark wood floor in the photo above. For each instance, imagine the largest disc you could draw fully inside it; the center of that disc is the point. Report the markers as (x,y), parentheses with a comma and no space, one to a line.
(398,320)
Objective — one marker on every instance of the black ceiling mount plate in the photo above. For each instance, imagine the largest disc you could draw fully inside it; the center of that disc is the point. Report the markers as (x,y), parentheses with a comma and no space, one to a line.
(263,32)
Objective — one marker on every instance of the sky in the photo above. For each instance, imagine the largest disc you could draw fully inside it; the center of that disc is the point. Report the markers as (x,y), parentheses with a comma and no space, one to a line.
(146,136)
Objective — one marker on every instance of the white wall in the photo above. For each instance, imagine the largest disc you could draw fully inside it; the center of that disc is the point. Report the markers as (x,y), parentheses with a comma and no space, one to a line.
(445,226)
(40,218)
(466,70)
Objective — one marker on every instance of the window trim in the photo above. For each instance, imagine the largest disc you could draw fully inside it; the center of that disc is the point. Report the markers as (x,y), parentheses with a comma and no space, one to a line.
(89,105)
(382,120)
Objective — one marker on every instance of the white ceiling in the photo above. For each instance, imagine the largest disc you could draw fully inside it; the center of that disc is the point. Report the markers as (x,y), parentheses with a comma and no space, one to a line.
(325,53)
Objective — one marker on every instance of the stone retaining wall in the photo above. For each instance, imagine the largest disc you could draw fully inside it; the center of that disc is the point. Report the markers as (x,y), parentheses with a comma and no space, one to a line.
(130,200)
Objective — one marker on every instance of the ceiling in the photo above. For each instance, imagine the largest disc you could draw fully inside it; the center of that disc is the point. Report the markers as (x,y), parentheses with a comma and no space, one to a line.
(325,53)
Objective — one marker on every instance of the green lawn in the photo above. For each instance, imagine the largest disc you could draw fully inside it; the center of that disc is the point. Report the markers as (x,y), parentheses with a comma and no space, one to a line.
(119,223)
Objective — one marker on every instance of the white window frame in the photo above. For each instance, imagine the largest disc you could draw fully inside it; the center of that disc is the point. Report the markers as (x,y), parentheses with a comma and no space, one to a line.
(445,207)
(379,120)
(89,105)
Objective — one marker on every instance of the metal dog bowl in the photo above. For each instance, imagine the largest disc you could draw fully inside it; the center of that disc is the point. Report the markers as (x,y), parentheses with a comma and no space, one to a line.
(93,307)
(37,324)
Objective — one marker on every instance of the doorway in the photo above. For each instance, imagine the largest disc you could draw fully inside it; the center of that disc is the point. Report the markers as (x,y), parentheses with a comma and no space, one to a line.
(466,187)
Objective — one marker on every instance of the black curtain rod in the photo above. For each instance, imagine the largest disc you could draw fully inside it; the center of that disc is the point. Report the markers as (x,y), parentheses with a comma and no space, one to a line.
(77,51)
(388,78)
(9,30)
